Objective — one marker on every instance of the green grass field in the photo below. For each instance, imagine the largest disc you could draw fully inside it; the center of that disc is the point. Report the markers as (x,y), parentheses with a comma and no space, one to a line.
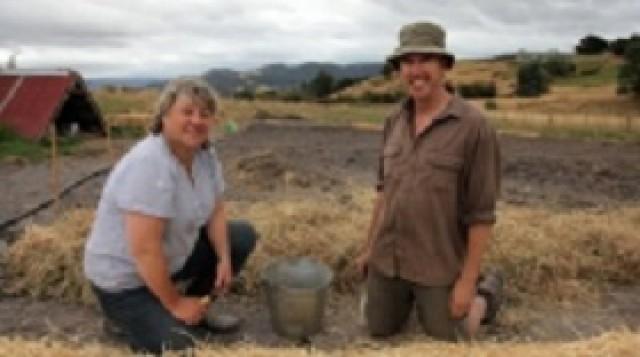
(11,145)
(591,71)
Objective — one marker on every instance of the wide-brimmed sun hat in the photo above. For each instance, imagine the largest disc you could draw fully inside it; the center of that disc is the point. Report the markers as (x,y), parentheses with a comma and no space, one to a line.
(424,38)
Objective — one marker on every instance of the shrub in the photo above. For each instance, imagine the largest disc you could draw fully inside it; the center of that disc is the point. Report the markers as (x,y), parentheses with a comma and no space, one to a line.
(490,105)
(321,85)
(372,97)
(478,90)
(245,94)
(592,45)
(629,75)
(533,80)
(619,45)
(591,70)
(344,98)
(387,70)
(346,82)
(292,96)
(558,65)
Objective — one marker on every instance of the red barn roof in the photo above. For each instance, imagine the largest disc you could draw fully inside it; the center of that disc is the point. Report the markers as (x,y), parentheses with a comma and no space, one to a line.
(29,101)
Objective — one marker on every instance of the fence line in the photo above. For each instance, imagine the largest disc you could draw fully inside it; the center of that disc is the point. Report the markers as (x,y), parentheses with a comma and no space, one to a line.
(133,119)
(535,120)
(620,123)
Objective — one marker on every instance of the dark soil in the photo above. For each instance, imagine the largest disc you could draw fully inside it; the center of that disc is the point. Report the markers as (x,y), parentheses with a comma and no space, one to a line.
(270,159)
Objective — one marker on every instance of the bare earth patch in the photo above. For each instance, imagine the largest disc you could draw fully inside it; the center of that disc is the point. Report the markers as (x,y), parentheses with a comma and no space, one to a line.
(273,164)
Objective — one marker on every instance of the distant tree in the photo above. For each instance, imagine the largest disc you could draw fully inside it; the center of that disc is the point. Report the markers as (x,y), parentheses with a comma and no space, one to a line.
(592,45)
(387,70)
(244,93)
(321,85)
(533,80)
(558,65)
(265,92)
(619,45)
(629,74)
(291,96)
(478,89)
(345,82)
(385,97)
(490,104)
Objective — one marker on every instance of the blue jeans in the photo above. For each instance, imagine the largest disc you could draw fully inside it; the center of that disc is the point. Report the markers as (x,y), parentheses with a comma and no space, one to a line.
(150,327)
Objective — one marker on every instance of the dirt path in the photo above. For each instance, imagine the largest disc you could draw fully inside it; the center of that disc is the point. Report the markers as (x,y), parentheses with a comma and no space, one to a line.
(268,160)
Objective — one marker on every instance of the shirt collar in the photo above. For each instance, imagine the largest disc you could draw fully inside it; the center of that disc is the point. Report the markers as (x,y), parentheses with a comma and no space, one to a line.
(454,109)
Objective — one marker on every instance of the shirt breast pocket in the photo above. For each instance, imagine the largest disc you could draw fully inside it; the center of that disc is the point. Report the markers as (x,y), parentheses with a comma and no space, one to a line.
(444,171)
(391,156)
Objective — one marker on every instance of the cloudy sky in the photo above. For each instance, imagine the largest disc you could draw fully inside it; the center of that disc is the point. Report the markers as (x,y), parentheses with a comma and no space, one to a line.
(167,38)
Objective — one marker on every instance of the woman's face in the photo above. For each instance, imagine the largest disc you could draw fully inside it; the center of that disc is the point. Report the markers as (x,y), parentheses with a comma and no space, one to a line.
(187,123)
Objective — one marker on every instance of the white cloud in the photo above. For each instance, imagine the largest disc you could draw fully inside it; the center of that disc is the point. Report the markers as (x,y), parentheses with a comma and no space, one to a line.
(145,37)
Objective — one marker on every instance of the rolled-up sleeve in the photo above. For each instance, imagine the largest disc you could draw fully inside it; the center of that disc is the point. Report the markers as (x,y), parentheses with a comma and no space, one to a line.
(380,173)
(219,184)
(147,187)
(482,177)
(215,172)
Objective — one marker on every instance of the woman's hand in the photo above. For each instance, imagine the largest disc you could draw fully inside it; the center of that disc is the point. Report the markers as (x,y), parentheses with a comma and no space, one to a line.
(224,275)
(190,310)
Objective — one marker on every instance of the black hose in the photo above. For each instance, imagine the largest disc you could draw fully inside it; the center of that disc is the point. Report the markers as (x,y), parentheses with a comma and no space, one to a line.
(14,220)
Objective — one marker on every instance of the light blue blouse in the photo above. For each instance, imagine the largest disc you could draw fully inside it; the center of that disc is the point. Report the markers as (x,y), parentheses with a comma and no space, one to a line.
(150,180)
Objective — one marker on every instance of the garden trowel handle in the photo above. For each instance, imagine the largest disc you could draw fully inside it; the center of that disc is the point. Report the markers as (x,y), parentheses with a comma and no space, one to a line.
(207,299)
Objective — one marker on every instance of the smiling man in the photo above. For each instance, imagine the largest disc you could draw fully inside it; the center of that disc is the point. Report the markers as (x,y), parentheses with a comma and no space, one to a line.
(438,182)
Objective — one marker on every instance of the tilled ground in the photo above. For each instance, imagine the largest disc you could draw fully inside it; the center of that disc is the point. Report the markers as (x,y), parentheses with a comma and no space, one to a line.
(272,159)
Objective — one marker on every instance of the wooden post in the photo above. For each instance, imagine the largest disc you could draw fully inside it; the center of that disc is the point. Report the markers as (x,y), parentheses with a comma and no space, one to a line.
(54,183)
(109,143)
(586,121)
(628,122)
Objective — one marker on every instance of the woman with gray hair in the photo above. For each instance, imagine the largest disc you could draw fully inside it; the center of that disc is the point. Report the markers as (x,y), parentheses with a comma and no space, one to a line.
(160,244)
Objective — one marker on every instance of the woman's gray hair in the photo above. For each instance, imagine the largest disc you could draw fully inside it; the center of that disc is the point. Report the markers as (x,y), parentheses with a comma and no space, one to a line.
(193,87)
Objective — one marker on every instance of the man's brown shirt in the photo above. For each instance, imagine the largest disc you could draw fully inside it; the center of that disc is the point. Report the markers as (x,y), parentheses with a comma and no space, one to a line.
(434,186)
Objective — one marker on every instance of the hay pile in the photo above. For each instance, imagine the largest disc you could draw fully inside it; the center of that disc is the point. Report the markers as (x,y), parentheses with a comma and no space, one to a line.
(331,228)
(565,257)
(546,256)
(47,260)
(610,344)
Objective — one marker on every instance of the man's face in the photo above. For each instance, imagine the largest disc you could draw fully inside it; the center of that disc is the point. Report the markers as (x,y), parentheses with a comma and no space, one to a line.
(422,74)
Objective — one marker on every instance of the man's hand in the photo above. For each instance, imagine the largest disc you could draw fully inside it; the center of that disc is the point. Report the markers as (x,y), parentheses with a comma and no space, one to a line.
(463,293)
(189,310)
(224,275)
(362,262)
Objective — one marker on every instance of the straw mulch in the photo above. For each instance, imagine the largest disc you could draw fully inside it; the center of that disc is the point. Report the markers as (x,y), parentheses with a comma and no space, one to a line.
(47,260)
(565,257)
(546,256)
(610,344)
(330,229)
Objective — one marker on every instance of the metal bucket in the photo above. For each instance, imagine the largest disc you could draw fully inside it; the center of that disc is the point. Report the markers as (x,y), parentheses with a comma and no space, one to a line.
(296,291)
